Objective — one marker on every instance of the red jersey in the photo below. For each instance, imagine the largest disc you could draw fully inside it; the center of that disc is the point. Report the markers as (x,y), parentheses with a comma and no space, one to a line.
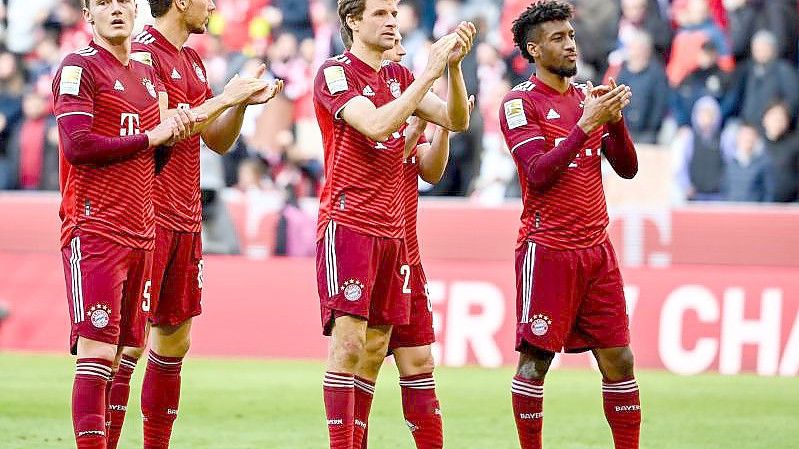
(114,200)
(177,186)
(410,198)
(363,178)
(572,213)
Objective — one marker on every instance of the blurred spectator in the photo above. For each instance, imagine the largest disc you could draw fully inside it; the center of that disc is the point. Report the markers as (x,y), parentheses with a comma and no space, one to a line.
(647,78)
(216,221)
(75,31)
(497,169)
(695,28)
(748,175)
(34,146)
(640,16)
(767,79)
(414,38)
(707,79)
(296,230)
(746,17)
(12,84)
(296,17)
(697,153)
(782,146)
(25,18)
(597,27)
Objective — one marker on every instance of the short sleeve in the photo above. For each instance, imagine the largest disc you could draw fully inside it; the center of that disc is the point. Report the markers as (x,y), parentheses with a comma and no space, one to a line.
(74,87)
(334,87)
(519,121)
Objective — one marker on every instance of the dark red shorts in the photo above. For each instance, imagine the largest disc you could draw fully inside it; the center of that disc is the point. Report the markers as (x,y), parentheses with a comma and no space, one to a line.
(419,330)
(361,275)
(177,277)
(569,299)
(108,288)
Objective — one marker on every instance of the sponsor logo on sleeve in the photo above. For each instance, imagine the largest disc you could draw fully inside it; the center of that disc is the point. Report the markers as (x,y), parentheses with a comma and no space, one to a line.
(142,56)
(70,80)
(335,79)
(514,113)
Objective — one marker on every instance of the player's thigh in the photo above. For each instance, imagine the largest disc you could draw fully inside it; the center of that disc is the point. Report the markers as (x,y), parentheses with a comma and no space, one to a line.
(392,284)
(345,272)
(180,292)
(95,272)
(602,321)
(136,299)
(548,287)
(419,330)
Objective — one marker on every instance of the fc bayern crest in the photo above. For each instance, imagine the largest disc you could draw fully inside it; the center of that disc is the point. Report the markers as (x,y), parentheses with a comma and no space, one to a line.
(99,315)
(353,290)
(396,91)
(150,88)
(199,72)
(540,325)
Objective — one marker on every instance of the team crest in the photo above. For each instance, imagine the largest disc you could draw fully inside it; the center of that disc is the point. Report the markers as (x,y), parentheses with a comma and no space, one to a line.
(100,315)
(353,290)
(150,88)
(395,88)
(199,72)
(540,325)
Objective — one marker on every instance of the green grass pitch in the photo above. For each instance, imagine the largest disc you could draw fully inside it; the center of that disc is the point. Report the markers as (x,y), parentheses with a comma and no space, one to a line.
(249,404)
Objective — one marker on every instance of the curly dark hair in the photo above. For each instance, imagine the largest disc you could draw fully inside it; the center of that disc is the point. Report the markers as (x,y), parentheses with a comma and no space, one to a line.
(525,27)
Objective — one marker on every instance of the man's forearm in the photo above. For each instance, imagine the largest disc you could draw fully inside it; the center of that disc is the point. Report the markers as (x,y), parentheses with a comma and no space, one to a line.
(457,100)
(221,133)
(390,117)
(433,160)
(620,151)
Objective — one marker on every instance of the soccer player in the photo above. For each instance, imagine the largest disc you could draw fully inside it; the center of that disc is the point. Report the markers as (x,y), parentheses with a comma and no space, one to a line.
(362,273)
(107,110)
(177,275)
(569,288)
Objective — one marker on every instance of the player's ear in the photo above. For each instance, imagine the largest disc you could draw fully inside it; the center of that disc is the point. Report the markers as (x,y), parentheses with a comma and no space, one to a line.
(532,48)
(352,23)
(181,5)
(87,15)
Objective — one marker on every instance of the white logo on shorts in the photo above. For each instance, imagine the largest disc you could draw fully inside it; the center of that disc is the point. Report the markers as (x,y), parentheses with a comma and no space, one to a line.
(100,315)
(200,274)
(540,325)
(353,290)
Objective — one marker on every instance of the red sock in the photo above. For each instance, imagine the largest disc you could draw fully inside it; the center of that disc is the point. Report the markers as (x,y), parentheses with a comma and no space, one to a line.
(340,408)
(160,396)
(364,392)
(118,399)
(88,402)
(623,412)
(528,410)
(421,409)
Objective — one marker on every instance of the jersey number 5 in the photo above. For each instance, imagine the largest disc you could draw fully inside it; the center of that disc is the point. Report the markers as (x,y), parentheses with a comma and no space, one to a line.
(145,303)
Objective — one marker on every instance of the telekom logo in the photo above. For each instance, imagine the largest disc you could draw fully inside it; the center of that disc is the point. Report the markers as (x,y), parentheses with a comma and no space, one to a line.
(128,124)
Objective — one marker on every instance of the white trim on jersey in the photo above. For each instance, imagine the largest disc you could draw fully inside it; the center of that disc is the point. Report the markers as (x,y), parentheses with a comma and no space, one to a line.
(73,113)
(144,38)
(330,259)
(527,281)
(525,141)
(337,115)
(77,285)
(86,51)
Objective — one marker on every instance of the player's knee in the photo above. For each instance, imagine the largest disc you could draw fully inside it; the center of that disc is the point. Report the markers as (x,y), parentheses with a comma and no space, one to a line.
(92,349)
(534,364)
(348,349)
(132,352)
(424,363)
(622,365)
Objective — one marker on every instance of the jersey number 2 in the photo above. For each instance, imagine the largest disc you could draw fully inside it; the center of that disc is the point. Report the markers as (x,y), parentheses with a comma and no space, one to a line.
(405,270)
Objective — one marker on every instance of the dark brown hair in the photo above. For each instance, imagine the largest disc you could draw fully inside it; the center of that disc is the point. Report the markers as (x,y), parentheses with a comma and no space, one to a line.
(526,26)
(354,8)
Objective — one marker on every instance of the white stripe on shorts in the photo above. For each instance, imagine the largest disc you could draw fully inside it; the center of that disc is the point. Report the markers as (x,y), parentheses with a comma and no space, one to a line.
(527,281)
(330,259)
(77,285)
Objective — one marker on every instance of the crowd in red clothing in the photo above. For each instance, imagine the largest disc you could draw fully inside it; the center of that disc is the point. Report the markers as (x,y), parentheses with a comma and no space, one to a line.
(740,54)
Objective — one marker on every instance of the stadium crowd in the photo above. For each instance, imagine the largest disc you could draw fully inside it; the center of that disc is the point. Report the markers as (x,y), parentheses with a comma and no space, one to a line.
(714,82)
